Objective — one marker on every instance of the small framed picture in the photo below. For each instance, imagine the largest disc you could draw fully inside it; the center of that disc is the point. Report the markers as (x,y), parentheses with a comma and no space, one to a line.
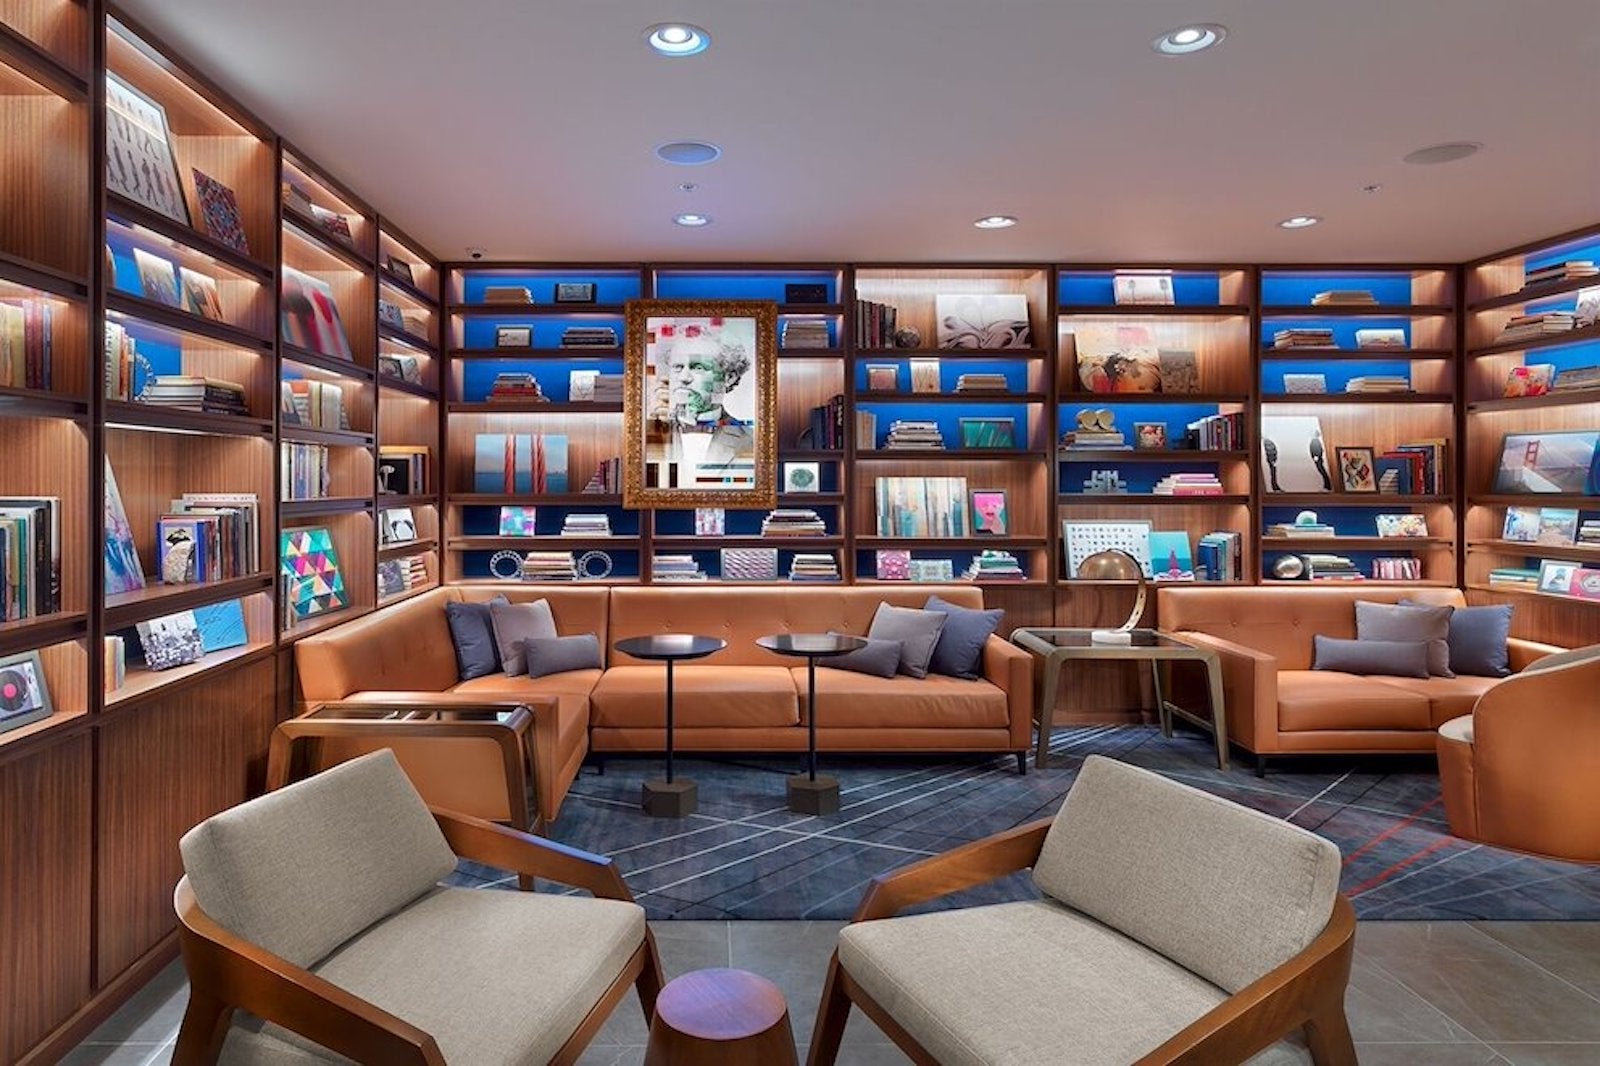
(990,516)
(710,521)
(883,377)
(1150,435)
(574,292)
(802,477)
(1556,576)
(398,269)
(988,433)
(24,696)
(1356,469)
(925,375)
(513,337)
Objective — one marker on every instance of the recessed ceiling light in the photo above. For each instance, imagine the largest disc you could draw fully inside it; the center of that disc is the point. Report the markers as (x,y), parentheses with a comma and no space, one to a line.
(1300,221)
(1448,152)
(688,186)
(1187,39)
(995,221)
(688,153)
(692,220)
(677,39)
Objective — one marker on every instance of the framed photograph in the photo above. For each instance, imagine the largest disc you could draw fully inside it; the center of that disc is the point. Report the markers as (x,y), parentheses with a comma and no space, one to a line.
(398,269)
(1083,538)
(1357,469)
(1564,463)
(140,161)
(1557,525)
(988,433)
(1150,435)
(1401,525)
(574,292)
(802,477)
(1556,576)
(883,377)
(994,320)
(1522,524)
(24,696)
(990,516)
(399,525)
(519,521)
(513,337)
(700,399)
(173,640)
(925,375)
(1119,358)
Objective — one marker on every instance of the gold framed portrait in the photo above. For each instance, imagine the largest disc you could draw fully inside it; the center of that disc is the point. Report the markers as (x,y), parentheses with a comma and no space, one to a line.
(700,404)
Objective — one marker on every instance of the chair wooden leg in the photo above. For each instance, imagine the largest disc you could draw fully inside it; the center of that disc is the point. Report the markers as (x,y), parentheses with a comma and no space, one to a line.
(205,1026)
(648,983)
(1328,1035)
(832,1014)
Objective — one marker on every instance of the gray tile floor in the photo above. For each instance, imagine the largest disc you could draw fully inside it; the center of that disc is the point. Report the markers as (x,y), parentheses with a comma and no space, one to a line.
(1422,994)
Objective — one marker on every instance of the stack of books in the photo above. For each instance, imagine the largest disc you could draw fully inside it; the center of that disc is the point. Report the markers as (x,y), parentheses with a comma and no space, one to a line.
(1093,438)
(586,525)
(212,395)
(1303,338)
(793,522)
(1397,569)
(1215,433)
(820,566)
(981,383)
(607,479)
(1218,556)
(25,343)
(1524,327)
(306,471)
(1514,576)
(1188,485)
(589,337)
(1323,567)
(1571,270)
(804,333)
(1577,378)
(1589,531)
(913,435)
(874,325)
(30,556)
(1378,383)
(548,566)
(994,565)
(415,570)
(1300,529)
(608,388)
(507,294)
(676,568)
(1343,298)
(516,385)
(319,404)
(866,430)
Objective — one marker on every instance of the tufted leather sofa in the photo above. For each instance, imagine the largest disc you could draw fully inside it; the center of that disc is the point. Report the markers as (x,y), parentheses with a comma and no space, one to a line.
(1278,705)
(742,699)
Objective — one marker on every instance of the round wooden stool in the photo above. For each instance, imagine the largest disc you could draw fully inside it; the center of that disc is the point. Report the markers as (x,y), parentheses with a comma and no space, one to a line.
(722,1017)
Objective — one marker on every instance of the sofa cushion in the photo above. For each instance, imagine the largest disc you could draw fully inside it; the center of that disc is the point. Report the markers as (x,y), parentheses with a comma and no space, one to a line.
(959,652)
(880,658)
(1407,622)
(501,687)
(1448,697)
(472,632)
(545,656)
(301,870)
(514,623)
(916,630)
(1479,639)
(731,696)
(1396,658)
(858,701)
(1309,700)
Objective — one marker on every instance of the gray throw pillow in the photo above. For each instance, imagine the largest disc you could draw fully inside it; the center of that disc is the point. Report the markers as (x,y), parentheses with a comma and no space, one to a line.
(959,652)
(472,632)
(917,631)
(1394,658)
(515,623)
(1391,621)
(1479,638)
(880,658)
(557,655)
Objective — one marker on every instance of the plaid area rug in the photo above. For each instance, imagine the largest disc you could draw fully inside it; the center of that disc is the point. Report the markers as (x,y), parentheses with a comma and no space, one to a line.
(744,855)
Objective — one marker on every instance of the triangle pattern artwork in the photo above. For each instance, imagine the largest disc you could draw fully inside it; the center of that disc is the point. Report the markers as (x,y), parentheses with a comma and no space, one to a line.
(311,568)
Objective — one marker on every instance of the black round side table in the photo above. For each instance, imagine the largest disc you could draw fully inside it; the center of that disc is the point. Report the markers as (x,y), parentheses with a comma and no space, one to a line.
(670,798)
(808,793)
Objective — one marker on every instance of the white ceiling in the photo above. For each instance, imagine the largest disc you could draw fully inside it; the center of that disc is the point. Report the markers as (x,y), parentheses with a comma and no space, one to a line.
(879,129)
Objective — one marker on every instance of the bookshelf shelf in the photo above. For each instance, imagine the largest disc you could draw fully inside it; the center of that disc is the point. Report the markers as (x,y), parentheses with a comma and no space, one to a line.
(940,543)
(29,633)
(329,505)
(1100,399)
(1533,344)
(408,547)
(409,388)
(1148,455)
(181,238)
(1356,311)
(473,544)
(408,340)
(945,455)
(783,543)
(1360,543)
(963,354)
(1360,398)
(968,399)
(1528,403)
(1338,499)
(401,597)
(567,499)
(410,292)
(40,403)
(536,353)
(1534,294)
(1585,552)
(331,437)
(328,363)
(1155,310)
(1147,499)
(133,414)
(1323,355)
(32,274)
(156,600)
(184,322)
(528,407)
(333,253)
(1535,499)
(1574,602)
(542,310)
(36,64)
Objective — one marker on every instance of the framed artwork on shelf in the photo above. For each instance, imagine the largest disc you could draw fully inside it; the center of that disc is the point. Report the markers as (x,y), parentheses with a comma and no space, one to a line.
(399,525)
(518,521)
(980,433)
(398,269)
(1401,525)
(1150,435)
(883,377)
(158,278)
(1522,525)
(200,294)
(1557,462)
(1139,288)
(140,161)
(219,211)
(710,522)
(1118,358)
(998,320)
(1294,453)
(310,565)
(574,292)
(309,315)
(1083,538)
(990,516)
(1557,525)
(513,337)
(892,564)
(24,695)
(1556,576)
(700,397)
(749,564)
(173,640)
(802,477)
(1356,469)
(925,375)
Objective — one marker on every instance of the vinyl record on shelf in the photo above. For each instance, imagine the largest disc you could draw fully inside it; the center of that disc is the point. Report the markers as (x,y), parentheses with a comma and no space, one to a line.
(15,692)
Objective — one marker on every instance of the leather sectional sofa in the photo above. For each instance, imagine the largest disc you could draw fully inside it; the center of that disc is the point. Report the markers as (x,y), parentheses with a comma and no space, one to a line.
(742,699)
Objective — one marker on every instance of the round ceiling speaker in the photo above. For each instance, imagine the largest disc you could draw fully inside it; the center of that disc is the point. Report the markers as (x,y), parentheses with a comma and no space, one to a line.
(1442,153)
(688,153)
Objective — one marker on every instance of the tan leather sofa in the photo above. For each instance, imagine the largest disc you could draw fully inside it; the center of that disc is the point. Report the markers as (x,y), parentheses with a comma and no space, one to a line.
(741,699)
(1522,770)
(1278,705)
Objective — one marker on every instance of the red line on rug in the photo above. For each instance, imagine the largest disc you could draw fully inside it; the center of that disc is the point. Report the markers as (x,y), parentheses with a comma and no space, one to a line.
(1393,829)
(1383,875)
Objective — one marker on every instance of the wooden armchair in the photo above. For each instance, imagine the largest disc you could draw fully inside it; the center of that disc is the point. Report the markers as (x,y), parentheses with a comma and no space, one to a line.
(1174,929)
(317,910)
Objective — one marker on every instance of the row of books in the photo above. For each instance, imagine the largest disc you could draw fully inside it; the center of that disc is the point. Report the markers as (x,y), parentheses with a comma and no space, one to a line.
(121,359)
(515,385)
(187,392)
(607,478)
(398,576)
(1571,270)
(114,662)
(407,368)
(306,471)
(875,324)
(209,536)
(1404,568)
(1344,298)
(825,427)
(589,337)
(1215,433)
(676,567)
(304,402)
(993,564)
(1538,324)
(585,525)
(30,556)
(1188,485)
(1379,383)
(1219,556)
(982,382)
(1325,566)
(913,435)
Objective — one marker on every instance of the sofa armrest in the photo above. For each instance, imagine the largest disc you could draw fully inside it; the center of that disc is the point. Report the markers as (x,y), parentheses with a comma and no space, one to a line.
(1524,653)
(1250,687)
(1010,669)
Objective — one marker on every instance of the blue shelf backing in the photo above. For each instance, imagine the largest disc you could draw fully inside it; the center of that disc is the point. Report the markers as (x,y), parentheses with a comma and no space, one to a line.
(1286,289)
(950,371)
(1189,288)
(479,332)
(611,286)
(741,285)
(554,375)
(624,563)
(483,521)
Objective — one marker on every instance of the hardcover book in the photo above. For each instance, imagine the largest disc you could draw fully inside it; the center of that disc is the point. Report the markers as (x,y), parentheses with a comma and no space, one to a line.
(174,640)
(219,212)
(123,571)
(158,278)
(200,294)
(310,315)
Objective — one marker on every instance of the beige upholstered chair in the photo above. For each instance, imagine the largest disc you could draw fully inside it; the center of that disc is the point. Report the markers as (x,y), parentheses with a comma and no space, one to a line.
(1176,927)
(317,909)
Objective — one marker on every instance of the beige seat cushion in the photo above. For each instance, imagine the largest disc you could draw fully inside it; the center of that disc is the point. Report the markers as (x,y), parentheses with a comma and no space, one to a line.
(1309,700)
(1448,697)
(860,701)
(495,977)
(1458,729)
(1025,984)
(502,686)
(738,696)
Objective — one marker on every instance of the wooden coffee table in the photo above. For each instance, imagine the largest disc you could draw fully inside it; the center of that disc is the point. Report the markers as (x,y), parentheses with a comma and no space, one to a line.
(720,1017)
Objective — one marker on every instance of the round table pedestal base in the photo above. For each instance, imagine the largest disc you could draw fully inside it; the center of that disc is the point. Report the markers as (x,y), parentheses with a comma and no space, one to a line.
(818,796)
(670,799)
(720,1018)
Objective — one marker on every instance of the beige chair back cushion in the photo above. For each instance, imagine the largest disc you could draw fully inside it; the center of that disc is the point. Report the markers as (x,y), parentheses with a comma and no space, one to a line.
(301,870)
(1564,658)
(1226,892)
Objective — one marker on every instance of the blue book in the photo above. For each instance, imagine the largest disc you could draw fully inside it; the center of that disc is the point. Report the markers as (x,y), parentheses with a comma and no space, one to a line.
(1402,471)
(221,625)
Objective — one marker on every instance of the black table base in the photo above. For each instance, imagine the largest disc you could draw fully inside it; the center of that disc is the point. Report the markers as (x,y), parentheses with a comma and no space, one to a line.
(813,794)
(670,799)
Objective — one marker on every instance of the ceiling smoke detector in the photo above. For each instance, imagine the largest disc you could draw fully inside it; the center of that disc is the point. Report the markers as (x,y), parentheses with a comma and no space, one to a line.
(1448,152)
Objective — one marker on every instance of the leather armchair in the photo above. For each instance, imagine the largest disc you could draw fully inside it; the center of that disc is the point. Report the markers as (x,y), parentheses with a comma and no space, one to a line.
(1522,771)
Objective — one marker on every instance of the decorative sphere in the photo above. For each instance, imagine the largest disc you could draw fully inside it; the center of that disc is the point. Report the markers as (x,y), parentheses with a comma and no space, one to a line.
(907,337)
(1110,565)
(1288,567)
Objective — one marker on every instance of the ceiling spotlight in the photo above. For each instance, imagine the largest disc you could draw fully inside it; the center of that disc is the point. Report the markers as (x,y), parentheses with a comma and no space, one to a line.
(688,153)
(1187,39)
(1374,187)
(1300,221)
(1448,152)
(692,220)
(677,39)
(688,186)
(995,221)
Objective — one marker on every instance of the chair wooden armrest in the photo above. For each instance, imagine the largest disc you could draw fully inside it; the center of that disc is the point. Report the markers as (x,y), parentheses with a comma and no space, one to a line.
(971,864)
(520,853)
(226,972)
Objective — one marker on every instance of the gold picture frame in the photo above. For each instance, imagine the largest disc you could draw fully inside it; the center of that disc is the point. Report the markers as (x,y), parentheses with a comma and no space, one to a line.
(700,404)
